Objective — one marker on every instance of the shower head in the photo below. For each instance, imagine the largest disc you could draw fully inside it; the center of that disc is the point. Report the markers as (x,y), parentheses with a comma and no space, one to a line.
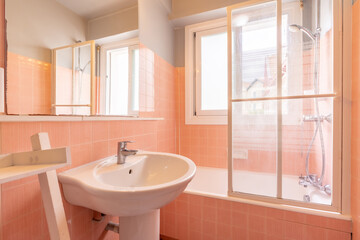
(297,28)
(240,20)
(294,28)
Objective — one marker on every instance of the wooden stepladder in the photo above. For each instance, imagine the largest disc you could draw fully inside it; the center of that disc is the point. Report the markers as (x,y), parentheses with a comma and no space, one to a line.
(50,191)
(42,161)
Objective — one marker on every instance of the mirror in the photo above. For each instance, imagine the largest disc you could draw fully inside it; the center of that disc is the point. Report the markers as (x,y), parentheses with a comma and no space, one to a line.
(94,76)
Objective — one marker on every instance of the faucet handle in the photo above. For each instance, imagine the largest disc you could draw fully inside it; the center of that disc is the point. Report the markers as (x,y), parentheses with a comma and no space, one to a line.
(122,144)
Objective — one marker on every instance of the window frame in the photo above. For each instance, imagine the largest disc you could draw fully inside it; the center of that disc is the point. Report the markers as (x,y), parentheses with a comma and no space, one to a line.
(131,44)
(193,113)
(198,73)
(190,76)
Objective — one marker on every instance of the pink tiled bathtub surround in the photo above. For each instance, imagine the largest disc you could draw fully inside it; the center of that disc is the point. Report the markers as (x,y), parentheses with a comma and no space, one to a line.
(202,218)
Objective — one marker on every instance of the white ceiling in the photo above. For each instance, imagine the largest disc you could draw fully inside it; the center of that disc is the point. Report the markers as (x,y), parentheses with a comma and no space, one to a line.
(96,8)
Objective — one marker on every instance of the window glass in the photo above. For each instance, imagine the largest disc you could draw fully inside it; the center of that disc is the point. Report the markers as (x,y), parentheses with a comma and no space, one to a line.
(135,80)
(118,81)
(214,71)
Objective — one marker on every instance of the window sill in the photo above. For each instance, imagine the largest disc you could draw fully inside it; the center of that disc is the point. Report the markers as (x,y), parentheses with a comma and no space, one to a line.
(206,120)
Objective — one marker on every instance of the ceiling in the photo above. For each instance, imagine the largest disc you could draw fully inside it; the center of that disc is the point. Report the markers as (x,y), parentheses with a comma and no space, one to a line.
(96,8)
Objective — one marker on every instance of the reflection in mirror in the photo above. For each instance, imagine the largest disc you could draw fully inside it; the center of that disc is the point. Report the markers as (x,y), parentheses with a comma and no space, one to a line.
(119,78)
(73,78)
(38,26)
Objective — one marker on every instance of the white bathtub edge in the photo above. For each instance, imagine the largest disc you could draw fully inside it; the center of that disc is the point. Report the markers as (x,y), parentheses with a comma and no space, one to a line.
(272,205)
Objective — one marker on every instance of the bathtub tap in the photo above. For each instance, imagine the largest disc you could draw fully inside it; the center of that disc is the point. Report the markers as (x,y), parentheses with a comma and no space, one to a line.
(123,152)
(313,180)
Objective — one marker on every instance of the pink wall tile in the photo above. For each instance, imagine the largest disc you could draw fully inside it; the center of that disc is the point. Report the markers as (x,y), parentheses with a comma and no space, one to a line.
(81,154)
(100,131)
(59,133)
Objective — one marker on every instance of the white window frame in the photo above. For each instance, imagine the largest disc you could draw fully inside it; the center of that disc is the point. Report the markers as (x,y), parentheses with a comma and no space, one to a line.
(104,91)
(190,76)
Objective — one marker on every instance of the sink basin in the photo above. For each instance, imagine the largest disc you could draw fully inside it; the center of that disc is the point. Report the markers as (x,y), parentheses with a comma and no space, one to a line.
(146,182)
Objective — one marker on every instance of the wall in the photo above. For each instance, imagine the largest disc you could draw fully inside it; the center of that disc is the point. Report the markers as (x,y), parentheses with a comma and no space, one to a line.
(183,8)
(355,126)
(35,27)
(28,85)
(126,20)
(190,216)
(180,47)
(155,29)
(206,145)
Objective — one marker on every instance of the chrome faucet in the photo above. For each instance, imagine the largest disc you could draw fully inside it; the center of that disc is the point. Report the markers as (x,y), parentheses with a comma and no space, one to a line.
(123,152)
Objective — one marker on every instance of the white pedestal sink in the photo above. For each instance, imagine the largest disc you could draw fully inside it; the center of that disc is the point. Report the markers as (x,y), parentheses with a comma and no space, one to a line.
(134,191)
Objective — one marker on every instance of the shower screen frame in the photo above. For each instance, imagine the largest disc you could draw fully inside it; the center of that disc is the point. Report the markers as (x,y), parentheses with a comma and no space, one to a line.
(336,95)
(93,89)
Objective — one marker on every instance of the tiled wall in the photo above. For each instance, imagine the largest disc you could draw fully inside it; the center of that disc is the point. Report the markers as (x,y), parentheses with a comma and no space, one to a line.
(207,145)
(355,122)
(28,85)
(88,141)
(200,218)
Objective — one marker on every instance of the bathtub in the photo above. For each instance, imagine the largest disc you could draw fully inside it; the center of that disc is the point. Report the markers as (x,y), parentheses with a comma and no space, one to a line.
(213,182)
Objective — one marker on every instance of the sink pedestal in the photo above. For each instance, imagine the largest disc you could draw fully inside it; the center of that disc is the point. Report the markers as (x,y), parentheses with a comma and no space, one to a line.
(146,226)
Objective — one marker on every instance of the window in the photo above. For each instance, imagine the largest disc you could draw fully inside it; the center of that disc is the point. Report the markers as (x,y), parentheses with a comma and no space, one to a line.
(120,78)
(206,67)
(206,73)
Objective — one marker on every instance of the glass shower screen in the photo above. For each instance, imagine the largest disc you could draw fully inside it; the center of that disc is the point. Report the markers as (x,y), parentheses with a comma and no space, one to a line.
(283,104)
